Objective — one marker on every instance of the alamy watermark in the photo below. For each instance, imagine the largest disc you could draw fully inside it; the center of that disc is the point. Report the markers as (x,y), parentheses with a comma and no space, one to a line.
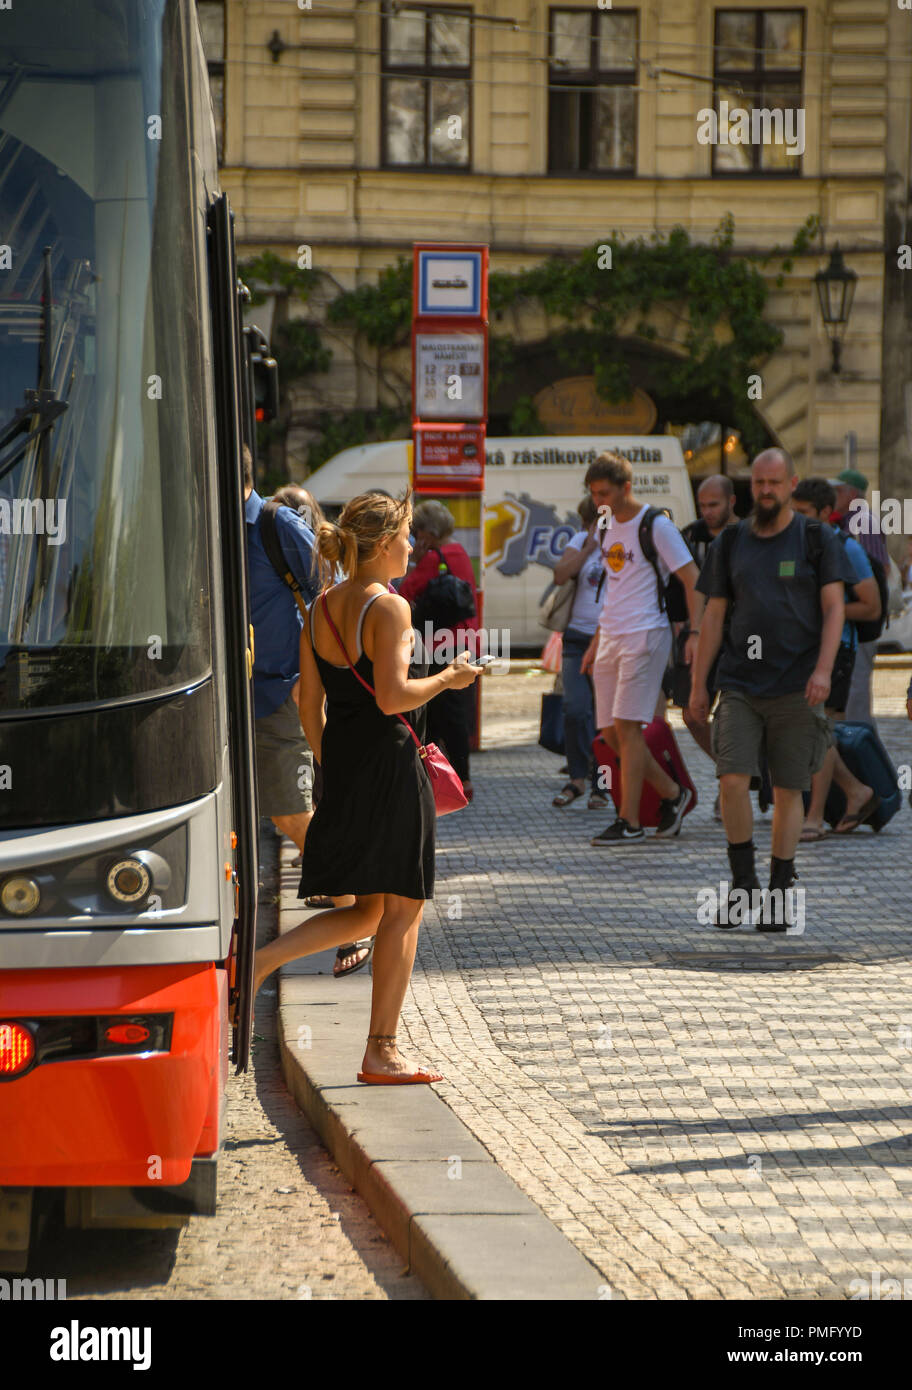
(32,1290)
(888,516)
(735,125)
(769,907)
(76,1343)
(38,516)
(443,645)
(878,1288)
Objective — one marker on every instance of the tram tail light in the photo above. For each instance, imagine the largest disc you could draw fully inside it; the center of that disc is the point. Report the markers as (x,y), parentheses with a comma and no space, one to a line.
(38,1042)
(17,1049)
(126,1033)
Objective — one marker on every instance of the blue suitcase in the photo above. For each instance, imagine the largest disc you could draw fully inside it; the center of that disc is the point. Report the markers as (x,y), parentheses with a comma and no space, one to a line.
(867,759)
(551,733)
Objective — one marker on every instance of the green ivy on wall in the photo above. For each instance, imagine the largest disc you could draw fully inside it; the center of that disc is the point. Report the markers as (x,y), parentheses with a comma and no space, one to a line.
(604,294)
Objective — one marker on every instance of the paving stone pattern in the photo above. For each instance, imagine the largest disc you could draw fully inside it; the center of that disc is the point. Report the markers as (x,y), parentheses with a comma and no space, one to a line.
(697,1129)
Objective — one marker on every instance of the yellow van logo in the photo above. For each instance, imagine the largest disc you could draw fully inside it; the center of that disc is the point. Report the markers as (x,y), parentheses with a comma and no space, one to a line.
(520,531)
(502,522)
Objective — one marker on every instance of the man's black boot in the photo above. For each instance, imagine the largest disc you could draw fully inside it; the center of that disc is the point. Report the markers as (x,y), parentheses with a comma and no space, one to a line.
(778,913)
(744,880)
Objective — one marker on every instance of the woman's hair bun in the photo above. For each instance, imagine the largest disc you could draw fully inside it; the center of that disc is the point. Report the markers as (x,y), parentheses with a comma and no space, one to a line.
(366,524)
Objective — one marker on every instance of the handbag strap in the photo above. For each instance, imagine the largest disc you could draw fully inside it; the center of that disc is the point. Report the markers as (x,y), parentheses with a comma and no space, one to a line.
(366,685)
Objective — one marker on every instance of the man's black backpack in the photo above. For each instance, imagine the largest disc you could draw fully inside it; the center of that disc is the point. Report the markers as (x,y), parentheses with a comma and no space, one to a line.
(269,534)
(813,539)
(445,600)
(870,630)
(672,595)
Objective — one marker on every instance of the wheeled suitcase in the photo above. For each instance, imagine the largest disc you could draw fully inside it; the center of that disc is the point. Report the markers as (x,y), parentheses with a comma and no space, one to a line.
(867,759)
(660,741)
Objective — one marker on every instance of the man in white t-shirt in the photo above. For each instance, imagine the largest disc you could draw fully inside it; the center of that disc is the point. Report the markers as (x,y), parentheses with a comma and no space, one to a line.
(630,650)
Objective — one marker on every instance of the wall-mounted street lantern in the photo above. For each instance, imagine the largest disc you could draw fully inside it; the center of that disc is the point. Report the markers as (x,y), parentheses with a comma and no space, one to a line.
(836,290)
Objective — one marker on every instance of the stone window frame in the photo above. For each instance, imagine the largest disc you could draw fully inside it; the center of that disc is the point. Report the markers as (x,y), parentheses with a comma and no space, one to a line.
(757,78)
(427,73)
(559,80)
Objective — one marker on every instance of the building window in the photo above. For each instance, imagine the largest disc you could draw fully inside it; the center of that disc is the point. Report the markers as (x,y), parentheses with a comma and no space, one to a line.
(759,68)
(427,70)
(592,111)
(212,26)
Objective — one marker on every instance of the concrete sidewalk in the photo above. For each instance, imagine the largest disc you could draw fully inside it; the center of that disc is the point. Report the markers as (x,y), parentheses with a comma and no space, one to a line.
(461,1224)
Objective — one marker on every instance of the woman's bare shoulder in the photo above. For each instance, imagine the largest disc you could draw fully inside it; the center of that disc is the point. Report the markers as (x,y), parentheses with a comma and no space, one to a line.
(392,606)
(387,621)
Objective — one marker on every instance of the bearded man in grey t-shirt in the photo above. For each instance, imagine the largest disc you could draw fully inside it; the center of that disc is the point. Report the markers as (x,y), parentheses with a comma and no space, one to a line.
(775,606)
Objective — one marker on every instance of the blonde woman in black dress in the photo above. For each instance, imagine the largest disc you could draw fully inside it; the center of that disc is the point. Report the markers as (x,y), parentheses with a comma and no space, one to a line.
(373,832)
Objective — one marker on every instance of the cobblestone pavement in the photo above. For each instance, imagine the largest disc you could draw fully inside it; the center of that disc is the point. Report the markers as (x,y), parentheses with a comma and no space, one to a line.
(698,1128)
(288,1224)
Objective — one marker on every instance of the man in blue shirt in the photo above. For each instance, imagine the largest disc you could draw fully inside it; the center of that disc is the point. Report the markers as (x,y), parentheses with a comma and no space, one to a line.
(284,761)
(816,498)
(852,517)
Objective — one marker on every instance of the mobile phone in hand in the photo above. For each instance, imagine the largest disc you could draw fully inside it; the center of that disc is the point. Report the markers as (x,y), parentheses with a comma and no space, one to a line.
(483,661)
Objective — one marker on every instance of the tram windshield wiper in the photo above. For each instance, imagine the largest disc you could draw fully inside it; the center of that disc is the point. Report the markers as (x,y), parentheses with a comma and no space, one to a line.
(47,407)
(42,402)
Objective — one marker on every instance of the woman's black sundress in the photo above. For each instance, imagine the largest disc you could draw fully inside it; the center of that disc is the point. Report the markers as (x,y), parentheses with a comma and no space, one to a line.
(374,828)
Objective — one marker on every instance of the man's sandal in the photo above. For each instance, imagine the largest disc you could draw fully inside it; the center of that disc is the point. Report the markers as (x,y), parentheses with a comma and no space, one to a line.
(568,795)
(850,823)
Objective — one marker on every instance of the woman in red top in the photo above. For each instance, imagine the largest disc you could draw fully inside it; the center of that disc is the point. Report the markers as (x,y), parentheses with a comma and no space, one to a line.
(450,715)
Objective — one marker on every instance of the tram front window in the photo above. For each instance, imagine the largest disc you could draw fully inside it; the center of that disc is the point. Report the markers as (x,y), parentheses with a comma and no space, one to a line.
(104,590)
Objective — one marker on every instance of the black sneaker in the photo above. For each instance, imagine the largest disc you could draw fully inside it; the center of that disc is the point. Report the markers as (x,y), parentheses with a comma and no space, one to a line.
(671,814)
(737,914)
(620,833)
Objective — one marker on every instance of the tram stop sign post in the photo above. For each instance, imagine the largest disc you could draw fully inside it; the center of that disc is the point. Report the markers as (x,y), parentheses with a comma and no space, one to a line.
(450,392)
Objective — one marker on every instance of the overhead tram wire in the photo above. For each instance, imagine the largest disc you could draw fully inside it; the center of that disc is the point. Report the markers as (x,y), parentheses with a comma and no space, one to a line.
(351,75)
(502,21)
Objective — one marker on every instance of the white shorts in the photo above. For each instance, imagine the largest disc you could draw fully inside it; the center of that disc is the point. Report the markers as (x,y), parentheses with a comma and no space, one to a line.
(627,674)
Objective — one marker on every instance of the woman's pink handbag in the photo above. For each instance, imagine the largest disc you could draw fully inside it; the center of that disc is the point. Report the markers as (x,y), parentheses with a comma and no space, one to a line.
(445,783)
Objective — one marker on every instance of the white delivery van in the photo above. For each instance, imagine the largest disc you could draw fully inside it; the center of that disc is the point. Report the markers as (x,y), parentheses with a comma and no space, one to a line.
(532,489)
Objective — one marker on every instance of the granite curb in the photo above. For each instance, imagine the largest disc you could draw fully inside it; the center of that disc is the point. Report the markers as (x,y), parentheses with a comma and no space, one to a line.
(461,1224)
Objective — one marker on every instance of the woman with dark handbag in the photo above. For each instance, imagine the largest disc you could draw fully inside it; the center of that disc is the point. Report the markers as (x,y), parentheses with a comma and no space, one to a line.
(373,833)
(441,590)
(582,561)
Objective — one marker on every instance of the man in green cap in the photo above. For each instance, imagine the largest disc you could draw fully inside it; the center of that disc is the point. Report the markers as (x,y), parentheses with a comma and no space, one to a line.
(851,485)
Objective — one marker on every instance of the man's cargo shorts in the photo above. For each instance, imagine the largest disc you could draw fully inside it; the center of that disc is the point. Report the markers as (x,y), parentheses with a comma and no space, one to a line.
(793,735)
(284,763)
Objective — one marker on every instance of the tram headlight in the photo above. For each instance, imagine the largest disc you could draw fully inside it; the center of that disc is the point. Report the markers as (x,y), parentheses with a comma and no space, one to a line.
(128,881)
(20,896)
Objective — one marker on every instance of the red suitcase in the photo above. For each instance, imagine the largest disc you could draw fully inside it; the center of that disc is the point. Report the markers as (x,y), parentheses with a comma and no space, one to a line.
(660,741)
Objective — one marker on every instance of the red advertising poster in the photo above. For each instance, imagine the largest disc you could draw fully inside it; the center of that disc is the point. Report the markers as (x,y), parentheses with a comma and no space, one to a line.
(449,458)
